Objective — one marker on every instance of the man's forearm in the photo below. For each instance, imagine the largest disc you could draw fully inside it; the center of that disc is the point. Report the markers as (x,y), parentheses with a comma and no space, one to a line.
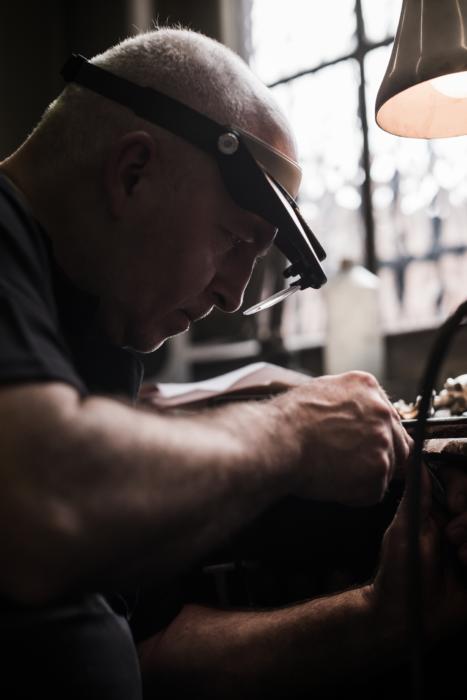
(92,490)
(248,654)
(194,479)
(110,493)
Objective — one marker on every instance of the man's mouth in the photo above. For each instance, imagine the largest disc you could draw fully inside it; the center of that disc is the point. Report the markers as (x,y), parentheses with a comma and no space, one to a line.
(194,316)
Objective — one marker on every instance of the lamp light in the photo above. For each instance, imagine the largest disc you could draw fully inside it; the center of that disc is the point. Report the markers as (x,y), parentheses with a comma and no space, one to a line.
(424,91)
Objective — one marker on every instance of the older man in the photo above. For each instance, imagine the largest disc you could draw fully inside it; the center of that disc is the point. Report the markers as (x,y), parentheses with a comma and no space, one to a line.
(119,230)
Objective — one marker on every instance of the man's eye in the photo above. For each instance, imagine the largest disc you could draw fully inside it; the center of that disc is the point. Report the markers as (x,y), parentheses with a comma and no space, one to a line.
(235,240)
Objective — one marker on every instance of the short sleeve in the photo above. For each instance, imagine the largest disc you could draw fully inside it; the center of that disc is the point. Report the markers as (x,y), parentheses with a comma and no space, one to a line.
(32,347)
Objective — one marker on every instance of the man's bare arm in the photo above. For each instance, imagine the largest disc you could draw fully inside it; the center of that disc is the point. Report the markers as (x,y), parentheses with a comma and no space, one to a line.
(312,645)
(90,488)
(250,654)
(95,493)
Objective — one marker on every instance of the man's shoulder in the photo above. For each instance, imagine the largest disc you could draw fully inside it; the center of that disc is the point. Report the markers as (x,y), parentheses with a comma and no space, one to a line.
(24,248)
(19,230)
(32,346)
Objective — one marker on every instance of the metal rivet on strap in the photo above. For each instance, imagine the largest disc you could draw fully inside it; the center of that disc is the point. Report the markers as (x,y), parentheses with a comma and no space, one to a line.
(227,143)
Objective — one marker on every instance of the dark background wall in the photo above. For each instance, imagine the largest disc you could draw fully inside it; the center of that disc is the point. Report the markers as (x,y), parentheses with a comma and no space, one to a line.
(37,37)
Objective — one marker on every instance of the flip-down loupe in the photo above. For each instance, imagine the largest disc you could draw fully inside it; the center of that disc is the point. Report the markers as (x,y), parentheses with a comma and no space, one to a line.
(259,178)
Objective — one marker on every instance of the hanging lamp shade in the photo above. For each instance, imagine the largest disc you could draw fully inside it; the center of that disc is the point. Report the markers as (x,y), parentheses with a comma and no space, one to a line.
(424,90)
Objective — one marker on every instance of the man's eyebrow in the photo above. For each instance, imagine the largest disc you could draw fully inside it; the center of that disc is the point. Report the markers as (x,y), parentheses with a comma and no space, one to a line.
(264,250)
(264,236)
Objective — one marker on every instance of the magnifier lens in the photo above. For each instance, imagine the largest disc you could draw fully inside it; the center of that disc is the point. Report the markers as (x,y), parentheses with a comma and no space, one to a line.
(271,301)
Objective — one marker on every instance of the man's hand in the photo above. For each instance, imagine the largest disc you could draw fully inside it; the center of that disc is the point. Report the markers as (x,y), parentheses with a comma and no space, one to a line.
(444,592)
(348,436)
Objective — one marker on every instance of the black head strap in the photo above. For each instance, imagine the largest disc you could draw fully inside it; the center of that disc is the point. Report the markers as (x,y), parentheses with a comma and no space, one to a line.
(147,103)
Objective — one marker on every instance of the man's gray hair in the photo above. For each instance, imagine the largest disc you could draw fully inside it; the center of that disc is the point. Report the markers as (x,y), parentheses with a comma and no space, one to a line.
(186,65)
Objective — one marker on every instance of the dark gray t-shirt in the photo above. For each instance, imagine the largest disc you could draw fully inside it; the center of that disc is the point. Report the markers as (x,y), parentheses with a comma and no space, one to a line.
(80,648)
(47,327)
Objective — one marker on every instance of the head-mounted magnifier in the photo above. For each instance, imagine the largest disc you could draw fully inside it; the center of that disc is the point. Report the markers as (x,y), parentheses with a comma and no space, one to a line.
(259,178)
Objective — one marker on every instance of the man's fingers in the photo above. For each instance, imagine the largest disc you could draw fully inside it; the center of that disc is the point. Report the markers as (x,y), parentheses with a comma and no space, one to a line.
(425,501)
(403,445)
(386,398)
(402,442)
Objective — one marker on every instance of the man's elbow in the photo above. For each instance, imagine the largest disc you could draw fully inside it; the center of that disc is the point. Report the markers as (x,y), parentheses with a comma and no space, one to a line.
(39,523)
(36,566)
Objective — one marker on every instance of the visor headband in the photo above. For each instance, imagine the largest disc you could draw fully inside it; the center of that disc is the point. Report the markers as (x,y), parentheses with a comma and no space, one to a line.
(180,119)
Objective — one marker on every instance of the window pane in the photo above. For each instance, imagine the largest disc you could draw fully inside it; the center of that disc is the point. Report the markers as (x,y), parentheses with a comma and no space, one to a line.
(287,38)
(322,109)
(381,18)
(420,202)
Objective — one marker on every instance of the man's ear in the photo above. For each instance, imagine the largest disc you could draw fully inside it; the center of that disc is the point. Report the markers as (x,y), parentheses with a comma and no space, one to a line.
(130,163)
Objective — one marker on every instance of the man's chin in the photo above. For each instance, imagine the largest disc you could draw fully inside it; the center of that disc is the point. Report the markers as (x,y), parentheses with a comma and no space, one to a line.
(140,336)
(145,346)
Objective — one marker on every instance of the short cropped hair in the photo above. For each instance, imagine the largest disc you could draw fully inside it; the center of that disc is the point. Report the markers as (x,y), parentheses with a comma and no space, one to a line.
(184,64)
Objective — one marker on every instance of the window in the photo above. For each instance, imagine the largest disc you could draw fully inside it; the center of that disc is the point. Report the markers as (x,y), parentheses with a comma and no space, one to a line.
(397,205)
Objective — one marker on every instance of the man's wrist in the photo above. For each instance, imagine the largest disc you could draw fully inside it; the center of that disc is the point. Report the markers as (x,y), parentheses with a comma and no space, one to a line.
(265,441)
(387,621)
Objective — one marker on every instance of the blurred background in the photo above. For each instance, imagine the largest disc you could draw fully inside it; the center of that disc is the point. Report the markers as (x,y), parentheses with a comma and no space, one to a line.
(394,207)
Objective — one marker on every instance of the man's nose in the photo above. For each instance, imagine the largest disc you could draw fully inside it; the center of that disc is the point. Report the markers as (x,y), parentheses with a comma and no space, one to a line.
(229,287)
(228,300)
